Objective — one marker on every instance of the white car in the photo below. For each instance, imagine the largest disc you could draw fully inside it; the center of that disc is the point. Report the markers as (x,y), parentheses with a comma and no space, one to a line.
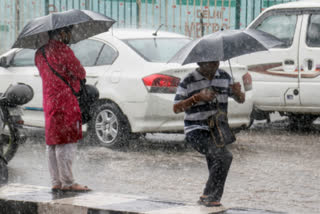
(137,86)
(286,78)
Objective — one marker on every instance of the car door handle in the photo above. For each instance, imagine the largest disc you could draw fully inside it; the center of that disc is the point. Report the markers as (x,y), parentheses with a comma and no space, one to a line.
(310,64)
(37,75)
(289,62)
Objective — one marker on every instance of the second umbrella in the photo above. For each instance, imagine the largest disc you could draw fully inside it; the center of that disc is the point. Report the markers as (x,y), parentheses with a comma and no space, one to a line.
(85,24)
(224,45)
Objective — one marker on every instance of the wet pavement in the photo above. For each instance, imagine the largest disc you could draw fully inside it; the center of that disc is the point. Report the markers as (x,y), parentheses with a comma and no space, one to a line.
(21,198)
(273,169)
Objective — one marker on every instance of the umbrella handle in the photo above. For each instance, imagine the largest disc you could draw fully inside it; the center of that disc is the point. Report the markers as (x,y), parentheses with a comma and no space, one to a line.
(231,70)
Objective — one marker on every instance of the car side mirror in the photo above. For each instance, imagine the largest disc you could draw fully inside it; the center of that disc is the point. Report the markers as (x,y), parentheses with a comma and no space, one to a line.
(4,62)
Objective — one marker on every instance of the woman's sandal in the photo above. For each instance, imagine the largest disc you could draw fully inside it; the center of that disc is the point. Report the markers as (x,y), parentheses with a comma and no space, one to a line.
(76,188)
(56,188)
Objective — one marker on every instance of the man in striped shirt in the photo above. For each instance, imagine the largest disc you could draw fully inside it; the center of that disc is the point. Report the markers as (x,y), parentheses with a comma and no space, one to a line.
(198,95)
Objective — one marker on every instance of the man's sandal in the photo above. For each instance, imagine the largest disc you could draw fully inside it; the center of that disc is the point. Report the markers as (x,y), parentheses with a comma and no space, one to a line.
(205,200)
(203,197)
(210,203)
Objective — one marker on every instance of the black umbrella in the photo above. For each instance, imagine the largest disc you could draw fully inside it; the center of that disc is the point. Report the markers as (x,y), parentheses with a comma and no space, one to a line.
(224,45)
(85,24)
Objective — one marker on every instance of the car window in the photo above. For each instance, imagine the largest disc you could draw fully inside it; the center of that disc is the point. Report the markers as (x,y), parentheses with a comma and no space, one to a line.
(281,26)
(107,56)
(313,32)
(157,50)
(87,51)
(24,57)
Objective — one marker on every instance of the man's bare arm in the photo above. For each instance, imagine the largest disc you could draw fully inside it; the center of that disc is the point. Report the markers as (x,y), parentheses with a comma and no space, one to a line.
(203,95)
(239,96)
(184,104)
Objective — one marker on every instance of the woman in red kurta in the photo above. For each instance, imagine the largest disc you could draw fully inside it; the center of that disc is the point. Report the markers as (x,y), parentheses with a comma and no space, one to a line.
(63,127)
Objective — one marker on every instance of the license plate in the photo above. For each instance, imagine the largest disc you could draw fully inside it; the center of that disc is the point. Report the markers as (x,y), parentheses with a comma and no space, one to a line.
(16,111)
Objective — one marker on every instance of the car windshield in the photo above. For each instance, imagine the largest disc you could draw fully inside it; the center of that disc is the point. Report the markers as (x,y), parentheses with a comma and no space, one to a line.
(157,49)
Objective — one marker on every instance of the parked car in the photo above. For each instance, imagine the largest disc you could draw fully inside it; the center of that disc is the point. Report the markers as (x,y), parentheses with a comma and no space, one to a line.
(136,84)
(286,77)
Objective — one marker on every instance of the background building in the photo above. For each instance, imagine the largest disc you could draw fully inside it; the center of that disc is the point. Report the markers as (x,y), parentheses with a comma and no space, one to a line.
(190,17)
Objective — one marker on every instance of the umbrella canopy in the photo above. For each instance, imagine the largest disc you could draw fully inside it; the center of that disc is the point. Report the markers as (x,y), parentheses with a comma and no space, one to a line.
(224,45)
(85,24)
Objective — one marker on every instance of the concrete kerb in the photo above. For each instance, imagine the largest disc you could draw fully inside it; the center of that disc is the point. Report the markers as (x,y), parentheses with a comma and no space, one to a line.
(30,199)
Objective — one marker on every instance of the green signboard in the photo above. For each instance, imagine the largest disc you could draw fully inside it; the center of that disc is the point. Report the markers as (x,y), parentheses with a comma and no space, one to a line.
(226,3)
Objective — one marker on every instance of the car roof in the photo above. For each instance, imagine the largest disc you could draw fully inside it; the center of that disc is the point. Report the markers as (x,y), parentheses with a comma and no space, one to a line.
(132,33)
(297,4)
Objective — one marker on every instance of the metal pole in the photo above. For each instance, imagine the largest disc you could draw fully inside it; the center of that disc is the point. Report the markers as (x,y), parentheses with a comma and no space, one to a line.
(201,24)
(153,15)
(17,28)
(138,13)
(146,11)
(229,17)
(131,12)
(222,13)
(118,11)
(160,11)
(231,69)
(208,21)
(87,5)
(246,13)
(46,7)
(105,7)
(238,15)
(111,9)
(253,10)
(215,13)
(166,14)
(124,13)
(180,14)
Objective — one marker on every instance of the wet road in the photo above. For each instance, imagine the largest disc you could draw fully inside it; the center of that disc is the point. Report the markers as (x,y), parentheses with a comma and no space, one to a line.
(273,169)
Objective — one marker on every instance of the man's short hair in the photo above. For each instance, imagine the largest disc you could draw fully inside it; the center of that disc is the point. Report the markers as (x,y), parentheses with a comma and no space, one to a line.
(201,63)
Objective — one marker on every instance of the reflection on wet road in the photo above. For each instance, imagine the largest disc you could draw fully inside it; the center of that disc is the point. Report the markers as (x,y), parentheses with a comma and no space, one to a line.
(273,169)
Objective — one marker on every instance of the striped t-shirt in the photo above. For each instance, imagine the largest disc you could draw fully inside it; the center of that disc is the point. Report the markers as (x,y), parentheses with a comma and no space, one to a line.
(196,116)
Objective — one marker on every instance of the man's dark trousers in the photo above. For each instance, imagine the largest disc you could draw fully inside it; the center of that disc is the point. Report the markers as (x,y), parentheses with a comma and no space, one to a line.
(218,159)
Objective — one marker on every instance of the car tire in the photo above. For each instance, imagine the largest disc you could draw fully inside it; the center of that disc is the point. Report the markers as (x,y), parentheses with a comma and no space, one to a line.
(3,171)
(9,146)
(108,126)
(301,122)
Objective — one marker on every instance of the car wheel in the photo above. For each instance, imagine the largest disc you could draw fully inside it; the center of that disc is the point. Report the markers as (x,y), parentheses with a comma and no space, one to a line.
(301,122)
(257,114)
(109,127)
(8,146)
(3,171)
